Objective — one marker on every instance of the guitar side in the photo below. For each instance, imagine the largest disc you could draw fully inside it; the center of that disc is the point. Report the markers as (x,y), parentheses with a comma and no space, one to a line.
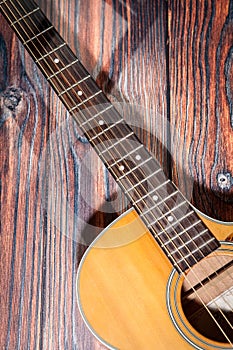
(122,287)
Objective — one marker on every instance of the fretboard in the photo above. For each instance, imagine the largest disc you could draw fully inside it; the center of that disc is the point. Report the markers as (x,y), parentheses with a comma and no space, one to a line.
(169,217)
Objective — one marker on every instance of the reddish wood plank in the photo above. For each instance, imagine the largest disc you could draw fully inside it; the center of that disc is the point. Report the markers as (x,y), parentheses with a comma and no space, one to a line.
(201,72)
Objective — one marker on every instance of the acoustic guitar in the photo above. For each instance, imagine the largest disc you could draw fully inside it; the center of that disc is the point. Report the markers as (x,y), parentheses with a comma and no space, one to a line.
(158,277)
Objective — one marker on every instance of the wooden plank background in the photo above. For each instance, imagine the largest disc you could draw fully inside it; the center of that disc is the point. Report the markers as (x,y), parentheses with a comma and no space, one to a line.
(174,61)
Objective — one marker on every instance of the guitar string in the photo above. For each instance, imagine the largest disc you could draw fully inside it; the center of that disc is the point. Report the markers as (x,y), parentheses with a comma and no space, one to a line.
(159,223)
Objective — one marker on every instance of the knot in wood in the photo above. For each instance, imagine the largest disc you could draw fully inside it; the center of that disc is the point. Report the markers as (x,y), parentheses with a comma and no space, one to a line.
(225,181)
(12,96)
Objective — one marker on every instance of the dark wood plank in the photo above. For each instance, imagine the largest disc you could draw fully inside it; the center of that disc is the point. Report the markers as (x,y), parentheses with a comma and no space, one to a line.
(55,194)
(201,75)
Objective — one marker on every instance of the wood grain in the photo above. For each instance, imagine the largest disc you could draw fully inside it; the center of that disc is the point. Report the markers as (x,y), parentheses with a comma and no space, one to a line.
(55,194)
(201,75)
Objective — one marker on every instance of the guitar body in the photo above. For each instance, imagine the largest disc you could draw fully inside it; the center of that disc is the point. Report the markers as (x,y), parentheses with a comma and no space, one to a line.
(124,286)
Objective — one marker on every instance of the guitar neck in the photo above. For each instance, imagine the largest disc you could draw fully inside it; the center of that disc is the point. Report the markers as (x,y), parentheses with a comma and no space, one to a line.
(161,206)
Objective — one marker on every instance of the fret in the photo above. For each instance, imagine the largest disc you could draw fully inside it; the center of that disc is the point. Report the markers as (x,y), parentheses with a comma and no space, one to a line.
(126,156)
(191,245)
(112,136)
(106,129)
(28,21)
(186,224)
(163,201)
(144,180)
(25,16)
(42,46)
(186,236)
(166,199)
(30,26)
(184,245)
(114,132)
(181,232)
(174,223)
(165,211)
(62,69)
(22,5)
(186,242)
(172,235)
(134,154)
(117,142)
(74,85)
(37,35)
(8,11)
(116,146)
(133,169)
(50,52)
(84,101)
(67,75)
(170,211)
(96,115)
(63,58)
(15,10)
(197,250)
(145,196)
(92,120)
(157,195)
(162,185)
(205,244)
(177,230)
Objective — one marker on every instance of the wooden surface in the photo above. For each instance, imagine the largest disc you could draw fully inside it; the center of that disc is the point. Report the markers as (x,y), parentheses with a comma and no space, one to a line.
(172,59)
(201,75)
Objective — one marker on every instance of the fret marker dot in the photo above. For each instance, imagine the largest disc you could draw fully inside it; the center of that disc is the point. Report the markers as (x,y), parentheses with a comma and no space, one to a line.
(138,157)
(121,167)
(80,93)
(56,60)
(101,122)
(155,198)
(170,218)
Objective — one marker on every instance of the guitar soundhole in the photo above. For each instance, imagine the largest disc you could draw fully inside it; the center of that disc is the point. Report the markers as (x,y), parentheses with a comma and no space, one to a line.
(207,298)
